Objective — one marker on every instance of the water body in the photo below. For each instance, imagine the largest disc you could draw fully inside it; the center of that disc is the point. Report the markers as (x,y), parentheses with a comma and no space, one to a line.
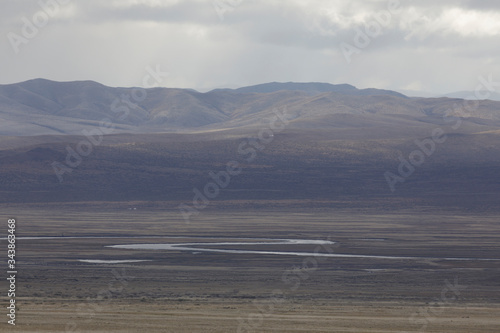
(199,247)
(96,261)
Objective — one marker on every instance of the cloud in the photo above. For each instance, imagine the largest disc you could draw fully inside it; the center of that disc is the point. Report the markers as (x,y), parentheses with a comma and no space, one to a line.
(441,46)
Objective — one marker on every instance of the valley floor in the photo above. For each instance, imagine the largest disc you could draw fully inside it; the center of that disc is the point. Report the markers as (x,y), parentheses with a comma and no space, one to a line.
(190,291)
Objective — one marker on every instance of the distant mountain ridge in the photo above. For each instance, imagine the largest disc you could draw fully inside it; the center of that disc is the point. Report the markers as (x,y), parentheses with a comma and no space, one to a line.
(44,107)
(314,88)
(494,96)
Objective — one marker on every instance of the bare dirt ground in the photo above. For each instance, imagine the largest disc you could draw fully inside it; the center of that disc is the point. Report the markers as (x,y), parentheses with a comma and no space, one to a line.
(225,316)
(182,291)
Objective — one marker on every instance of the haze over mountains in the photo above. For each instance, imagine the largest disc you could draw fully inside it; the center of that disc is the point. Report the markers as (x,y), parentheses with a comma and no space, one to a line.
(43,107)
(494,96)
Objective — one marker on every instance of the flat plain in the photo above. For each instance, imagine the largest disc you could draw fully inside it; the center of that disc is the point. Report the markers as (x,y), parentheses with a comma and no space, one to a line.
(190,291)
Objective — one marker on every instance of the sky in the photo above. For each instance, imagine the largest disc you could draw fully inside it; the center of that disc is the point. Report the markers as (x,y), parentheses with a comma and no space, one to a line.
(418,45)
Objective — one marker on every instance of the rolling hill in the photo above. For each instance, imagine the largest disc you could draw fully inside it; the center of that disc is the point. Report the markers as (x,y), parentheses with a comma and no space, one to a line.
(43,107)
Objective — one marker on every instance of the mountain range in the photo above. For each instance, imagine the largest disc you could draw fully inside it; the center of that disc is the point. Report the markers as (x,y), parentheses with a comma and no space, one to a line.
(43,107)
(332,146)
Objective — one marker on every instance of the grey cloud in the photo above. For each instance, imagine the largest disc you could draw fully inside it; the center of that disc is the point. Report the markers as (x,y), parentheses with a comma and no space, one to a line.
(257,41)
(187,11)
(482,5)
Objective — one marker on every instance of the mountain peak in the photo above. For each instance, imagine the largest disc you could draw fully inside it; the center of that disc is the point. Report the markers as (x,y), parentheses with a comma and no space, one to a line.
(313,88)
(307,87)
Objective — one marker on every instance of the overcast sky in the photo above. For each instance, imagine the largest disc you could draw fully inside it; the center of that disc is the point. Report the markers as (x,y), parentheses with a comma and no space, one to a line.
(423,45)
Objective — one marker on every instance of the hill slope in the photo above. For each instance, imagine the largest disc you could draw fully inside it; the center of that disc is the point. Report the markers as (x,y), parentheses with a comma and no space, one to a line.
(43,107)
